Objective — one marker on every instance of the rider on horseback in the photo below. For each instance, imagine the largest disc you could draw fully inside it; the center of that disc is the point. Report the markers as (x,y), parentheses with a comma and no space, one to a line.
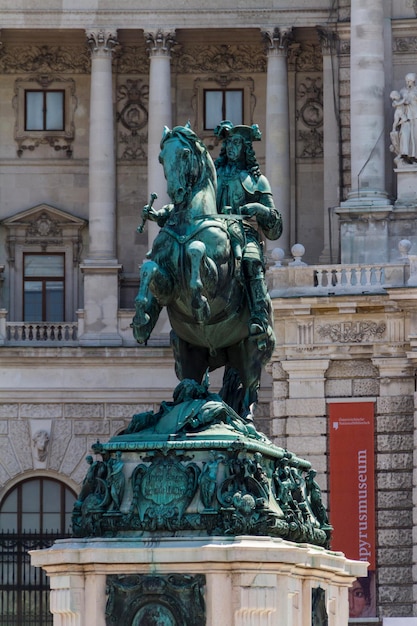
(242,190)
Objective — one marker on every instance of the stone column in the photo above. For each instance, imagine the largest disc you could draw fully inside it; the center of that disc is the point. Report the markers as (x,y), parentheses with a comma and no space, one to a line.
(101,267)
(277,131)
(159,44)
(367,84)
(331,144)
(364,230)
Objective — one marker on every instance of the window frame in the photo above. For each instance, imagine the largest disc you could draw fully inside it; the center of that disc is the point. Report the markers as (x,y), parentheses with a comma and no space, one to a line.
(44,93)
(224,115)
(43,280)
(30,140)
(46,229)
(61,511)
(219,83)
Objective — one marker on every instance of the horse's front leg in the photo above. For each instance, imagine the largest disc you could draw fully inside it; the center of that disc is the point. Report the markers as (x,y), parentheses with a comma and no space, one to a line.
(200,306)
(142,300)
(154,291)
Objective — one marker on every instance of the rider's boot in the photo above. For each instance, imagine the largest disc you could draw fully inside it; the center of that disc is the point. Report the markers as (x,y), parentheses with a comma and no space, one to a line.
(259,309)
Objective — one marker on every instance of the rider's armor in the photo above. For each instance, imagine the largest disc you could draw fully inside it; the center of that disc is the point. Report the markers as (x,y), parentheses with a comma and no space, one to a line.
(237,188)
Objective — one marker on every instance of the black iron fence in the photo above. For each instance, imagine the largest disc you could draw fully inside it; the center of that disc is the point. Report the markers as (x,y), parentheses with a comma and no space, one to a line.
(24,590)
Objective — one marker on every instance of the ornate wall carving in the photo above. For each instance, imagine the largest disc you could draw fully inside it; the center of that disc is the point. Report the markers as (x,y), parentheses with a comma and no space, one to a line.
(306,60)
(352,332)
(132,119)
(132,60)
(404,44)
(16,59)
(223,59)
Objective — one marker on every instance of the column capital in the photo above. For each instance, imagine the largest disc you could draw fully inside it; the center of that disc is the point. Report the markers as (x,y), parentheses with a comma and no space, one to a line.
(160,42)
(277,39)
(328,38)
(101,41)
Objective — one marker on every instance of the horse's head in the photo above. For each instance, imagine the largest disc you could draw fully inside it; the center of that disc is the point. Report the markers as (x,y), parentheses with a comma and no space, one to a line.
(188,166)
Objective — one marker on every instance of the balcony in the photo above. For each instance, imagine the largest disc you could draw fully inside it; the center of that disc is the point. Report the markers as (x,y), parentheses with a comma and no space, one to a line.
(293,280)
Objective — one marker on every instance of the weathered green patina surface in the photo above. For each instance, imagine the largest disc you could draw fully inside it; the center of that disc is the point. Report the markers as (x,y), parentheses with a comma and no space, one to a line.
(155,600)
(206,267)
(198,465)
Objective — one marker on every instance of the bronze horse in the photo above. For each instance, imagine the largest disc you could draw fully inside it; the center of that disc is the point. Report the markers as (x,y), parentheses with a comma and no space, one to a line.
(194,270)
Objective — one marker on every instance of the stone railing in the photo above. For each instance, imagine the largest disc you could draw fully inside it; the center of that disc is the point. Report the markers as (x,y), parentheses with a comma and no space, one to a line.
(49,333)
(320,280)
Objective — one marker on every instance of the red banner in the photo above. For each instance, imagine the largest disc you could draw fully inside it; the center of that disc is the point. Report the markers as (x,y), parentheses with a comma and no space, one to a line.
(352,489)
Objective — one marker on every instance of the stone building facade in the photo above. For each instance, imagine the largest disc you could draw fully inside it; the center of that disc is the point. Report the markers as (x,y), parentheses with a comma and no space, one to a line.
(317,78)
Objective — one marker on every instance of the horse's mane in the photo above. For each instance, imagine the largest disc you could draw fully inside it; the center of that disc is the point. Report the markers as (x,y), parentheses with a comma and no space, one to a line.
(187,137)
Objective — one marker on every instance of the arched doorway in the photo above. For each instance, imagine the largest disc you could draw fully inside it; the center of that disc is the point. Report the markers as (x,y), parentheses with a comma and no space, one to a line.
(33,514)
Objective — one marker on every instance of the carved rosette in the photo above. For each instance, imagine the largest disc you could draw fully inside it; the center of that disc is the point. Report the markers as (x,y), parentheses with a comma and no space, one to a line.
(101,42)
(160,43)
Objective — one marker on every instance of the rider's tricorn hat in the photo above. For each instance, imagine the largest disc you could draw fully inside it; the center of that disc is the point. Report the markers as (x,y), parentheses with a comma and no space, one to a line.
(227,129)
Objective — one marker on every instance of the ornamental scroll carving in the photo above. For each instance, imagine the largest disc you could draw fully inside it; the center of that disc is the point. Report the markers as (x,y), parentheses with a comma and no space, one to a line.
(223,59)
(309,116)
(16,59)
(132,119)
(404,44)
(352,332)
(132,60)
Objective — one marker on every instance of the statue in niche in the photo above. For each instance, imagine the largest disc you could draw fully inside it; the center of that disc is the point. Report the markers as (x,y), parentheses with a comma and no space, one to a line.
(404,129)
(40,442)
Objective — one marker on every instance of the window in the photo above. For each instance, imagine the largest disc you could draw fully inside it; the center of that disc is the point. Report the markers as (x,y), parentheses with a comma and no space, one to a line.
(43,253)
(222,104)
(44,106)
(43,288)
(37,505)
(44,110)
(218,98)
(32,515)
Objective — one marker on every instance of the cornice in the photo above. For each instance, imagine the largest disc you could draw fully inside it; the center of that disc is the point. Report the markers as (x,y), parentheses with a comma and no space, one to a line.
(150,19)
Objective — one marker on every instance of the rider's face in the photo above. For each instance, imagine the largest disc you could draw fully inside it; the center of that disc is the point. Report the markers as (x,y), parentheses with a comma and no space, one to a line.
(234,148)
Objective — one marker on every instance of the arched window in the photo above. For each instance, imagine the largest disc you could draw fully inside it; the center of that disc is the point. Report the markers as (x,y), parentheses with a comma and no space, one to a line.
(37,506)
(32,515)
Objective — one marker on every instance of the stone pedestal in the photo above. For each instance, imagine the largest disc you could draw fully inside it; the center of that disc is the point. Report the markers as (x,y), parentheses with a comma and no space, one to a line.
(407,185)
(203,581)
(364,231)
